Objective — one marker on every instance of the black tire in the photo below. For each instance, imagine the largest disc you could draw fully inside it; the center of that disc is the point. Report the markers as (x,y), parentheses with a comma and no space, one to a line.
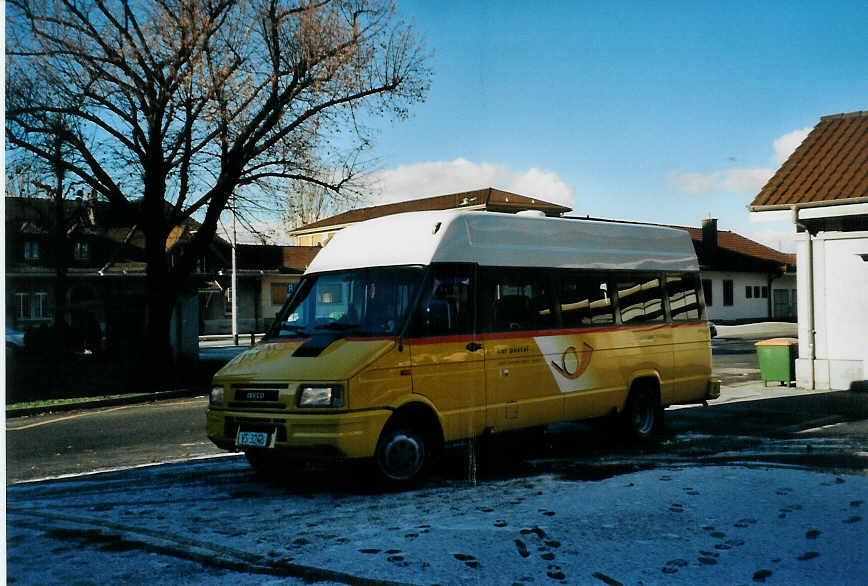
(643,415)
(403,457)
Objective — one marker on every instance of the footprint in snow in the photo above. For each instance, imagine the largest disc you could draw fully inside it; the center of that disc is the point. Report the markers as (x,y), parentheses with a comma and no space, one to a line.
(761,575)
(672,566)
(853,519)
(812,533)
(555,573)
(607,579)
(536,530)
(808,555)
(469,560)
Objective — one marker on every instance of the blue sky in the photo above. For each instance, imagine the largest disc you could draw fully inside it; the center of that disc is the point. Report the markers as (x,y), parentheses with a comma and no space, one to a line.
(658,112)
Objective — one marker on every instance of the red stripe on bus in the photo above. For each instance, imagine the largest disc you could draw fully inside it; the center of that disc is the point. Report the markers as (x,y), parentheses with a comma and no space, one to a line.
(539,333)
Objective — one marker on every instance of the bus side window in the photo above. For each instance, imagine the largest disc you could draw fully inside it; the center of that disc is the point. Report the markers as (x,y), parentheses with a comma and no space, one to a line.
(447,304)
(683,297)
(640,299)
(584,299)
(516,300)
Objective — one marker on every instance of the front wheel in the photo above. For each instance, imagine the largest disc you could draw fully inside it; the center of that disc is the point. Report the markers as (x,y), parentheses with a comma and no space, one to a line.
(643,415)
(403,456)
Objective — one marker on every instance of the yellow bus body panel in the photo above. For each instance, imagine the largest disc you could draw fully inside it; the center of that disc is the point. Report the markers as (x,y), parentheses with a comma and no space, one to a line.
(512,381)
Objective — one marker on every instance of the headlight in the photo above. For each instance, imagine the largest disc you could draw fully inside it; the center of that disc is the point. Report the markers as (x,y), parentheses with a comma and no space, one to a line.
(216,395)
(321,396)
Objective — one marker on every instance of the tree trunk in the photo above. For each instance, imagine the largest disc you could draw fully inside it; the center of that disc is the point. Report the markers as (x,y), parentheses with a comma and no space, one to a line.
(162,292)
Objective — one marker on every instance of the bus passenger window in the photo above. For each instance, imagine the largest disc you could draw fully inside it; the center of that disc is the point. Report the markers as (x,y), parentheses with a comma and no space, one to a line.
(447,305)
(641,300)
(584,299)
(683,297)
(516,299)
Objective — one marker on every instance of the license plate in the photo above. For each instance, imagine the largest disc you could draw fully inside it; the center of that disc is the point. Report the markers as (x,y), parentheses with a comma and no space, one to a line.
(253,439)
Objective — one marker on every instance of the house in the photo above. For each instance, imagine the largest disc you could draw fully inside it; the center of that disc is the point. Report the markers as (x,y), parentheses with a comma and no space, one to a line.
(742,280)
(488,199)
(823,190)
(105,290)
(266,276)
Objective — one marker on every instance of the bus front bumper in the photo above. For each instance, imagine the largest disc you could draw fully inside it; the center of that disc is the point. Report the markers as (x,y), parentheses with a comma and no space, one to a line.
(351,434)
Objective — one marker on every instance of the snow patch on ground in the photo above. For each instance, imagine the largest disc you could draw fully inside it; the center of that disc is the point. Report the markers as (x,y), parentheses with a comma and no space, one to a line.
(213,522)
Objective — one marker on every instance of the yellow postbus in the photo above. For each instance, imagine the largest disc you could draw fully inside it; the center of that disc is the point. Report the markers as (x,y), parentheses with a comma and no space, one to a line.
(415,330)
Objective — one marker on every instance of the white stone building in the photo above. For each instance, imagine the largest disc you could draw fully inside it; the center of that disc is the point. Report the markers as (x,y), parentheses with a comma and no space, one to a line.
(823,190)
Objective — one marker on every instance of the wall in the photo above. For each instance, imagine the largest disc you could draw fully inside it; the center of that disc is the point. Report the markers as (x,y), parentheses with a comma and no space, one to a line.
(742,307)
(840,310)
(269,308)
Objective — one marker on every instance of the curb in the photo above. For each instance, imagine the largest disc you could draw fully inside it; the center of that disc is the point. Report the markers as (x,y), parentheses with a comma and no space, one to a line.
(63,407)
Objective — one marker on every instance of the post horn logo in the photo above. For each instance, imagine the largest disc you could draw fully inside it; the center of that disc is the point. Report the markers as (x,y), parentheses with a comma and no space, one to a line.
(572,366)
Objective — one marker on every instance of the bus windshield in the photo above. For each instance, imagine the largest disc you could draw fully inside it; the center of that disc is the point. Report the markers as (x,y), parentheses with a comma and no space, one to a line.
(359,302)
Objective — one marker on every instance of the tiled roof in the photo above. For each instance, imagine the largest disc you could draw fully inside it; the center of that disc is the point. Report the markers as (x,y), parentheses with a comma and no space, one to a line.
(492,199)
(726,240)
(830,164)
(738,243)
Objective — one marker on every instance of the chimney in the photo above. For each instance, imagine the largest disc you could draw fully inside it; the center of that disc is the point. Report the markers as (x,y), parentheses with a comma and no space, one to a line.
(709,234)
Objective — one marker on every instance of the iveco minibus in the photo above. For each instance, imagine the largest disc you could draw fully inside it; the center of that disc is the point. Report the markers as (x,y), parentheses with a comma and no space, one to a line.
(414,330)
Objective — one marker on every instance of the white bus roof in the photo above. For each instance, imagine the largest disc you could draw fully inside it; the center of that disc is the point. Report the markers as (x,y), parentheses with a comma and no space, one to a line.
(499,239)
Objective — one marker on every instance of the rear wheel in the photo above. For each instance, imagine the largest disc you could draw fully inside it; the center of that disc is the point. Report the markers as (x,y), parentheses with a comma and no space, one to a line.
(643,415)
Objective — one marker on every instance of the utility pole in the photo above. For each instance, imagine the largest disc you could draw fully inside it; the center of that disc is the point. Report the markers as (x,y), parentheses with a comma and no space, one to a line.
(234,278)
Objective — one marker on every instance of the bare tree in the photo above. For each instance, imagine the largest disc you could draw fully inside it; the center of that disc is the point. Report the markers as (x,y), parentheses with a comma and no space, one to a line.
(307,202)
(178,104)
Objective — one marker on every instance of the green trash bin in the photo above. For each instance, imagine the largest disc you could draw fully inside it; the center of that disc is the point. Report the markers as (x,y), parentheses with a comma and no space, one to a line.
(777,360)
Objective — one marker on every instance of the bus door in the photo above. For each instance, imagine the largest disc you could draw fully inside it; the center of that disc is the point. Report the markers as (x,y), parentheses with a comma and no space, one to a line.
(446,356)
(516,313)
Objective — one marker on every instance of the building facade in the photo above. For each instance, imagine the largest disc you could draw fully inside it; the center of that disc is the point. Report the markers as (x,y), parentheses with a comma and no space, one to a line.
(101,262)
(823,190)
(267,275)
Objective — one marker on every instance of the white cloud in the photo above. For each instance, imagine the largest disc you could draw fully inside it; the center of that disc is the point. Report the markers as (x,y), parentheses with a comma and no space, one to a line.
(786,144)
(729,180)
(779,239)
(739,179)
(441,177)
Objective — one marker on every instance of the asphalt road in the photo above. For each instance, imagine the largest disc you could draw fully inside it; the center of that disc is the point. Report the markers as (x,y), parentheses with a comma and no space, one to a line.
(98,439)
(135,435)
